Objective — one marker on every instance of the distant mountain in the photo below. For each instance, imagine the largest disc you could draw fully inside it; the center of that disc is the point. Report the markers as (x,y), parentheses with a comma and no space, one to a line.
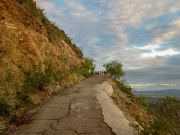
(159,93)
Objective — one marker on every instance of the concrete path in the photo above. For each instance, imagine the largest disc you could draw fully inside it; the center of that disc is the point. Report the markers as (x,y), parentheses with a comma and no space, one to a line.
(76,111)
(113,116)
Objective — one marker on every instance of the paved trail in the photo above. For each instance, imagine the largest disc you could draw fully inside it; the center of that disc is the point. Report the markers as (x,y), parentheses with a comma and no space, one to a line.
(75,112)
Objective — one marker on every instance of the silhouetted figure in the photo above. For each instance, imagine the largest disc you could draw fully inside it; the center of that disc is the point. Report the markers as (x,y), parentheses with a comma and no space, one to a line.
(97,72)
(100,72)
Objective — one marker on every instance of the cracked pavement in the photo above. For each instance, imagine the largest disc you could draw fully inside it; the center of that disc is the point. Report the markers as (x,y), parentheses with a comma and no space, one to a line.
(73,112)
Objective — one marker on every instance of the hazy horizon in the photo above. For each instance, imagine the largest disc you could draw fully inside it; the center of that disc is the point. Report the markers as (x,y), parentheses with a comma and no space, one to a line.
(143,35)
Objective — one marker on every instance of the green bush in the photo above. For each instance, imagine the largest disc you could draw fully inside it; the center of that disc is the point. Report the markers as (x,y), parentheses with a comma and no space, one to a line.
(114,69)
(143,101)
(123,86)
(5,108)
(168,108)
(23,98)
(165,111)
(51,75)
(87,68)
(34,79)
(9,76)
(169,100)
(158,127)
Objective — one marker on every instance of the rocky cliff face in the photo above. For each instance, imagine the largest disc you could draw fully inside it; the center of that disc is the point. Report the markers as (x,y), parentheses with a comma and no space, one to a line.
(28,39)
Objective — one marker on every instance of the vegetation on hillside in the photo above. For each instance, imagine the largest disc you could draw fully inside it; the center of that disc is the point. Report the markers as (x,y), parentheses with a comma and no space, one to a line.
(5,108)
(154,118)
(166,112)
(36,80)
(115,71)
(87,68)
(124,86)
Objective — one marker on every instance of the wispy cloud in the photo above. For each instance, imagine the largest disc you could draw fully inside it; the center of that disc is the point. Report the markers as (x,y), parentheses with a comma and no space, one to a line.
(139,33)
(154,54)
(154,86)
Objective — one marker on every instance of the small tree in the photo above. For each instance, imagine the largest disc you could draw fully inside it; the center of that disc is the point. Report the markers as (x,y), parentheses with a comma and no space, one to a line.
(87,67)
(114,69)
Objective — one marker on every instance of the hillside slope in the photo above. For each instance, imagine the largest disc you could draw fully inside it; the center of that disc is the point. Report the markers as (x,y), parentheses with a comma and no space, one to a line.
(33,54)
(27,37)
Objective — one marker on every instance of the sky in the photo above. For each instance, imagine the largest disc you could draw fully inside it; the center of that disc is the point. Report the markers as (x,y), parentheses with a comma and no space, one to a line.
(144,35)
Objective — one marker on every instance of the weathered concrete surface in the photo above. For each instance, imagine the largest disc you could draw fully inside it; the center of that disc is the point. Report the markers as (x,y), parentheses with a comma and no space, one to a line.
(76,111)
(113,116)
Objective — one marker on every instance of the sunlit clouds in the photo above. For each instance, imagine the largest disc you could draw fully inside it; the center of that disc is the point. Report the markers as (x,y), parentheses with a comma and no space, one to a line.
(140,34)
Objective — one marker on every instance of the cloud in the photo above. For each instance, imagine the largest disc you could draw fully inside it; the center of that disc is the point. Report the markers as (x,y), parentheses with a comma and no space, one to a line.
(150,84)
(155,78)
(166,35)
(149,47)
(140,34)
(177,23)
(154,86)
(154,54)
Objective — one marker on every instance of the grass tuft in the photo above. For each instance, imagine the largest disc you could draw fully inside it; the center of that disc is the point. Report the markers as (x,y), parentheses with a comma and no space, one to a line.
(5,108)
